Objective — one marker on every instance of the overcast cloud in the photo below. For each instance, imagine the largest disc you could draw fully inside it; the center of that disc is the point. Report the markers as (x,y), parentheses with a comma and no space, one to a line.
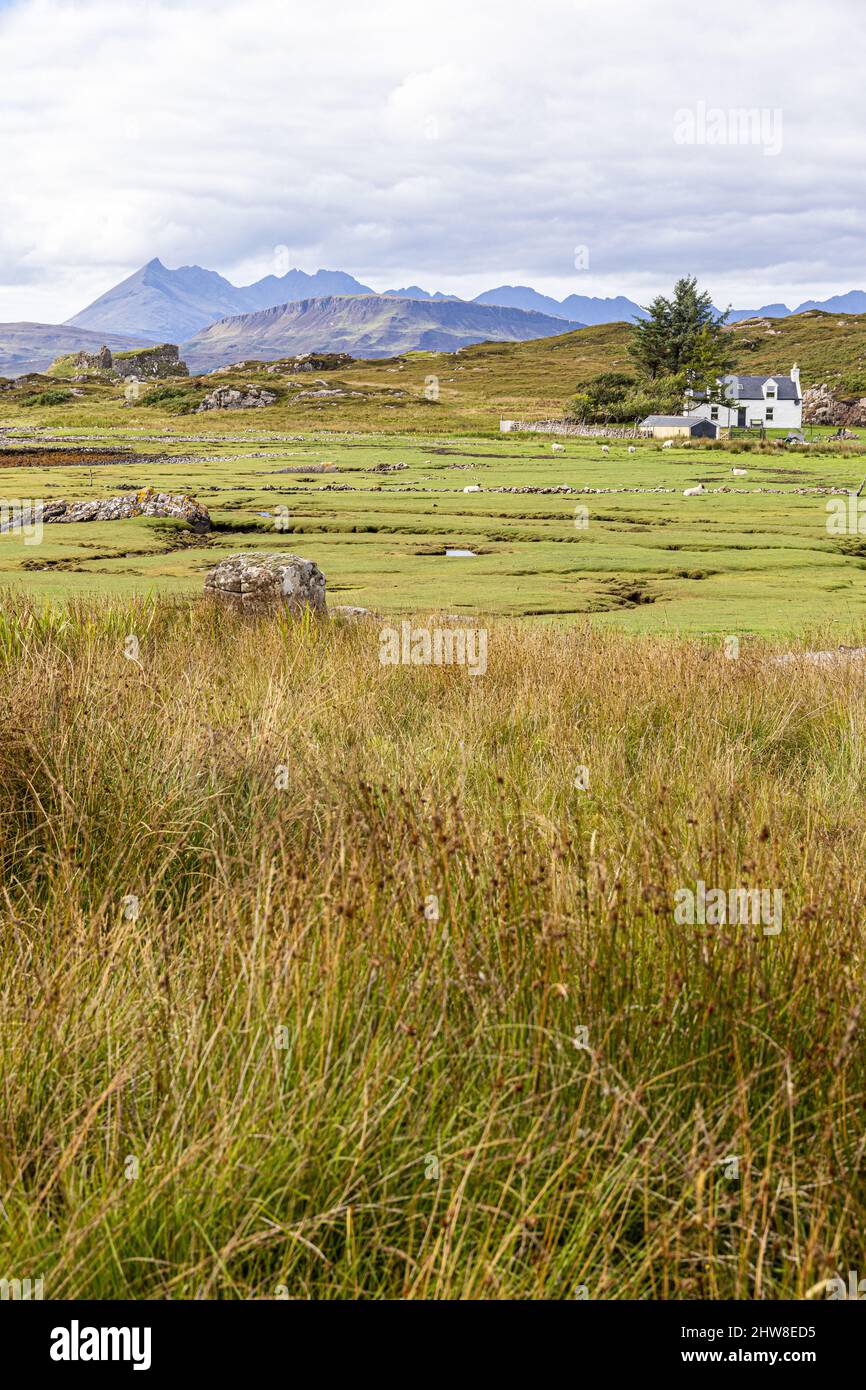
(457,146)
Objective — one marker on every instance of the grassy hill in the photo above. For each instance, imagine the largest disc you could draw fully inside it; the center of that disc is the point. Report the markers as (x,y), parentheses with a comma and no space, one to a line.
(828,347)
(476,385)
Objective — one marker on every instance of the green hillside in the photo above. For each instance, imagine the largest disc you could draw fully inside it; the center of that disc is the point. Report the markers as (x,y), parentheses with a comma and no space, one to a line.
(471,389)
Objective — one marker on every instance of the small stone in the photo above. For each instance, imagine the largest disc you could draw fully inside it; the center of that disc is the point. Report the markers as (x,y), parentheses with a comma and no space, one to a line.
(350,614)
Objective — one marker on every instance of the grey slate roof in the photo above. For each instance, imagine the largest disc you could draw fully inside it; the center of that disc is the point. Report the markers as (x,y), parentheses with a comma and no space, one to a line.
(751,388)
(672,420)
(742,387)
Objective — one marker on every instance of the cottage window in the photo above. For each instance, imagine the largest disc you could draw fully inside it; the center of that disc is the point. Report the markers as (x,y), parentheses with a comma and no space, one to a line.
(714,412)
(769,413)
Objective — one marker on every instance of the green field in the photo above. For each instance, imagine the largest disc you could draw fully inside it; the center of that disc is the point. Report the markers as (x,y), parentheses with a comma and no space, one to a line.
(336,979)
(757,559)
(744,561)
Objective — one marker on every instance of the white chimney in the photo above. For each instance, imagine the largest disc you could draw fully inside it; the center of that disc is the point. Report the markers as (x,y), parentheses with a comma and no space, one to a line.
(795,377)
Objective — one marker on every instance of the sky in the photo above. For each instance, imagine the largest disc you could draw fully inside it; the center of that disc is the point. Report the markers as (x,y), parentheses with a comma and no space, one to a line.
(577,147)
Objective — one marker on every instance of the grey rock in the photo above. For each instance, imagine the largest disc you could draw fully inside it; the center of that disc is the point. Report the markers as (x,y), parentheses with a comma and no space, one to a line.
(821,406)
(149,364)
(236,398)
(147,502)
(256,581)
(350,614)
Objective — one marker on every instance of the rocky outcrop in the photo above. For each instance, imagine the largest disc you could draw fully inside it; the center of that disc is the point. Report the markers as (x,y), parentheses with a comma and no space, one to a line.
(256,582)
(148,502)
(304,362)
(318,362)
(821,406)
(100,361)
(149,364)
(235,398)
(81,364)
(330,393)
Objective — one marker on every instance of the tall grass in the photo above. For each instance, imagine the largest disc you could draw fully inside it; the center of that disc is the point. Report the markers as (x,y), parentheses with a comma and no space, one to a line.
(240,1059)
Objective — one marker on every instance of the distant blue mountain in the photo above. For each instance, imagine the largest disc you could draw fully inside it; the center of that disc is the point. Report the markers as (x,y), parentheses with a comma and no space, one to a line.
(295,285)
(161,305)
(584,308)
(172,305)
(521,297)
(769,311)
(854,302)
(416,292)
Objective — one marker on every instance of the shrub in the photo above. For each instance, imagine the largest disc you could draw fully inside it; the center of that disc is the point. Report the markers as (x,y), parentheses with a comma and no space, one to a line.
(614,398)
(177,400)
(56,397)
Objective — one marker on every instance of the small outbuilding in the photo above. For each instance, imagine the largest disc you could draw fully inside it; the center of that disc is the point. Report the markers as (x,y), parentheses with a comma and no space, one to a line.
(678,427)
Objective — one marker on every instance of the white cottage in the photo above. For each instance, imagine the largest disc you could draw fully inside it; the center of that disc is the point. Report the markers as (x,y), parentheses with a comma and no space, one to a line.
(771,402)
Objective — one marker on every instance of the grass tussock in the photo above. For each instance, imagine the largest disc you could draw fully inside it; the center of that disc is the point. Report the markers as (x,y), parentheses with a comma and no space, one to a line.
(241,1059)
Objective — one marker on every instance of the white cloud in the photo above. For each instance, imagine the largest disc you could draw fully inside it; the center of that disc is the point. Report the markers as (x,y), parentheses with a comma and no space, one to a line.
(458,146)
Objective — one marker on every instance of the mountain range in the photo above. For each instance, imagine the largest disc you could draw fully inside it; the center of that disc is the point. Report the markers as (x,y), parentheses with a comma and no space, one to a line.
(366,326)
(157,304)
(175,305)
(854,302)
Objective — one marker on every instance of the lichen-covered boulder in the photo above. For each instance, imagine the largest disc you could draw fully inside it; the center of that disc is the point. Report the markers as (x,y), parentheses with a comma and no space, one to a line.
(176,504)
(254,582)
(235,398)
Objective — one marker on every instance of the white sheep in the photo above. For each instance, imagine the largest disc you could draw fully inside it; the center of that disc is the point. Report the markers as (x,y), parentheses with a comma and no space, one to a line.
(632,449)
(739,472)
(557,448)
(668,444)
(473,487)
(694,491)
(605,449)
